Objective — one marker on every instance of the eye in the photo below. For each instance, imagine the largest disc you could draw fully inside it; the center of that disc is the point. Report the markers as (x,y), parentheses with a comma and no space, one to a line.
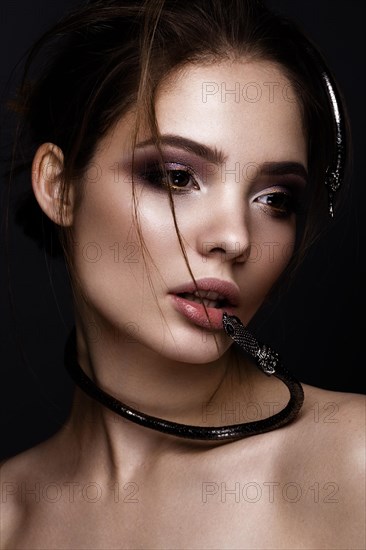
(179,178)
(280,204)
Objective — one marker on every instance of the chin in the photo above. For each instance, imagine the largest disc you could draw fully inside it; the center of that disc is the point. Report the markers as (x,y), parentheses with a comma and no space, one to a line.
(200,350)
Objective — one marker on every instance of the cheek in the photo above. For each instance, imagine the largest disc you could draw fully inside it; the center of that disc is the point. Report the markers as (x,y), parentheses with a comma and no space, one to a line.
(272,240)
(268,256)
(107,252)
(158,230)
(105,242)
(274,248)
(272,256)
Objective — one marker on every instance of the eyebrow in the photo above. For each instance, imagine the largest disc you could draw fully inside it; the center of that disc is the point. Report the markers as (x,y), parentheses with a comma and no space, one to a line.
(211,154)
(285,168)
(214,155)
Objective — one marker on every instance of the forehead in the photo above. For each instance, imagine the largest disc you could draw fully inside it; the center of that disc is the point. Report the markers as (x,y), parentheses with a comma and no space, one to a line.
(244,105)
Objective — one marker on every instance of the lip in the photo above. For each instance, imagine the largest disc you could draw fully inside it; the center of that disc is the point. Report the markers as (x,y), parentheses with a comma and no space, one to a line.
(195,312)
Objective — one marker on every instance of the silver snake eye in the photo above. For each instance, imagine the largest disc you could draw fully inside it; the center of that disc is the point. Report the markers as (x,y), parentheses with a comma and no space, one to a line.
(228,324)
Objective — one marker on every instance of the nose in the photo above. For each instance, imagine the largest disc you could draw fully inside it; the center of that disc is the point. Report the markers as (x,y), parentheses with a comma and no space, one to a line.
(224,230)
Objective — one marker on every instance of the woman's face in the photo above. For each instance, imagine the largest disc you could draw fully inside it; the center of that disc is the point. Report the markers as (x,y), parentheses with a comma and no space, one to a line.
(235,153)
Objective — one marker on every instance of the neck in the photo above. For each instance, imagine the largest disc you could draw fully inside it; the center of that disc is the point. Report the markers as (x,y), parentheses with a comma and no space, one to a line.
(156,386)
(150,382)
(146,381)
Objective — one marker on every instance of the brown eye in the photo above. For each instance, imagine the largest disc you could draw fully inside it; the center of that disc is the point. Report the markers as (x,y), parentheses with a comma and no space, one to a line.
(278,204)
(178,178)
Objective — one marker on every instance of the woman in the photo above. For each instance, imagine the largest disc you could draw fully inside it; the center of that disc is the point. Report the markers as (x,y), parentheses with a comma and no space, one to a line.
(174,154)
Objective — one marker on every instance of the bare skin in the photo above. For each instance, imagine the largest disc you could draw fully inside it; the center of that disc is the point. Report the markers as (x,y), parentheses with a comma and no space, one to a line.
(103,482)
(298,487)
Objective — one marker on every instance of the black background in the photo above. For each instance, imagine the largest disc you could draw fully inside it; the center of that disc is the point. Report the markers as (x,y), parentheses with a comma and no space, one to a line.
(319,325)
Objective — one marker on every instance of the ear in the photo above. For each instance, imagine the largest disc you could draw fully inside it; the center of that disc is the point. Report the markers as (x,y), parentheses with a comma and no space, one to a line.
(47,168)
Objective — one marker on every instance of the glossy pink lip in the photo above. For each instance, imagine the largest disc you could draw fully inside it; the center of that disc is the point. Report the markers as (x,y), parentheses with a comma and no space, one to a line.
(195,312)
(226,288)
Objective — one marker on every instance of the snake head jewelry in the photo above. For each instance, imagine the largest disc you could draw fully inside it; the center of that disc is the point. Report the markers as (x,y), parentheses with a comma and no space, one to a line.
(265,357)
(231,324)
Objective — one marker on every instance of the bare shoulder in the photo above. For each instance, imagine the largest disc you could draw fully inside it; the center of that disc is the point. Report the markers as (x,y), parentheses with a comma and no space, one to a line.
(333,443)
(313,469)
(340,416)
(19,476)
(12,512)
(335,427)
(329,435)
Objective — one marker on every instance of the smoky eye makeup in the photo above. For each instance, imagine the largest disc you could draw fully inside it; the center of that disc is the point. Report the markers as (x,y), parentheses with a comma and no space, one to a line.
(282,200)
(177,176)
(278,204)
(278,188)
(178,170)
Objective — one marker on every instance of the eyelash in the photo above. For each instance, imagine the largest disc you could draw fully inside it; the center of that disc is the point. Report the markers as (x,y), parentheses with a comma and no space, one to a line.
(290,204)
(155,176)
